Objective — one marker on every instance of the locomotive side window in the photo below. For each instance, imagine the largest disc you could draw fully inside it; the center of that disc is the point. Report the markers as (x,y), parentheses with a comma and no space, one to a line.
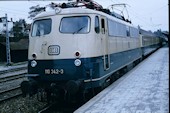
(75,25)
(127,31)
(41,27)
(134,32)
(112,28)
(97,25)
(116,29)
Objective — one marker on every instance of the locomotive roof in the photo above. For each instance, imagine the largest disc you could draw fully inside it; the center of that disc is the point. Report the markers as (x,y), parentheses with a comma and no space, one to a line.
(78,10)
(65,11)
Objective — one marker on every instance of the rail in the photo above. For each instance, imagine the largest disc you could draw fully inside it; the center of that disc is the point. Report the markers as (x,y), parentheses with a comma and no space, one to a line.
(10,94)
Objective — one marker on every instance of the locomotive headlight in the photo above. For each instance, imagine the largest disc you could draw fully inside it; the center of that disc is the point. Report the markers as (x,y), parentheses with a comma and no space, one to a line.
(33,63)
(77,62)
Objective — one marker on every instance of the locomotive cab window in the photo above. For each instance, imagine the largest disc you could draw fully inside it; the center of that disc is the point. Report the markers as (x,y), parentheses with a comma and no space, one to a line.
(41,27)
(75,25)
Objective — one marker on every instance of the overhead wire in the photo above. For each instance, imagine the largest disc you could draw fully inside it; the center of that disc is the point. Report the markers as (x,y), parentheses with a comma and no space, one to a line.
(137,15)
(143,19)
(12,11)
(158,9)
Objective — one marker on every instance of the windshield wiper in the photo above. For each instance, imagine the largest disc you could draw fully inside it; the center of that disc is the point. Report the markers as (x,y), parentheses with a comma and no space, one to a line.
(79,30)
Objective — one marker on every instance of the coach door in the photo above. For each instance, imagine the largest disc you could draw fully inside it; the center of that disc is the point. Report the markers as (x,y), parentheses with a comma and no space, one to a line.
(104,34)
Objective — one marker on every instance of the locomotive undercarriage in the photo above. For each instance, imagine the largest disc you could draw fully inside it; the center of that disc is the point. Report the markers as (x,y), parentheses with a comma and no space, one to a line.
(52,92)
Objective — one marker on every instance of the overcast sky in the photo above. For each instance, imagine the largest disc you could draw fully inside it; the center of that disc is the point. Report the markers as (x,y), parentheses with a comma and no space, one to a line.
(148,14)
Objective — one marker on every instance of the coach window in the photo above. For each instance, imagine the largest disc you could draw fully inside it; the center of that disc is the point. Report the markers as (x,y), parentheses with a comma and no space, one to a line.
(97,27)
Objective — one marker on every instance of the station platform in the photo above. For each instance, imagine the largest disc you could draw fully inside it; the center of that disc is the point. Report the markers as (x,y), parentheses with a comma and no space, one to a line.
(145,89)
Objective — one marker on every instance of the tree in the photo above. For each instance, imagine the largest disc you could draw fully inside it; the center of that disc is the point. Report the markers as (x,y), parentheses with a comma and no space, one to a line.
(34,10)
(19,28)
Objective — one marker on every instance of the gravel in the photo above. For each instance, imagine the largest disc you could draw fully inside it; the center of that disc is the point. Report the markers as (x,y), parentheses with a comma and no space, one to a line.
(22,105)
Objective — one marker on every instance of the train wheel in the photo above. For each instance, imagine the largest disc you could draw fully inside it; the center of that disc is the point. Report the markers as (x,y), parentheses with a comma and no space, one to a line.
(84,96)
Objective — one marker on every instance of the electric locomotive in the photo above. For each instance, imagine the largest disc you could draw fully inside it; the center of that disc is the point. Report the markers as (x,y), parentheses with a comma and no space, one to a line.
(73,50)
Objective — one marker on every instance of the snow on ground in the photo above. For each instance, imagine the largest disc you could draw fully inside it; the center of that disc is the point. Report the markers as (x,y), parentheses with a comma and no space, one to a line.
(144,89)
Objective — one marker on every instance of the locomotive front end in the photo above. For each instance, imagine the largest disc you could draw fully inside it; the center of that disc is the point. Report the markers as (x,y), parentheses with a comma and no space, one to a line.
(57,54)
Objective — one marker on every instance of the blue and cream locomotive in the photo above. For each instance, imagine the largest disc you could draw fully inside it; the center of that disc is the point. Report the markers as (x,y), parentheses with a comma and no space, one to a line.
(77,49)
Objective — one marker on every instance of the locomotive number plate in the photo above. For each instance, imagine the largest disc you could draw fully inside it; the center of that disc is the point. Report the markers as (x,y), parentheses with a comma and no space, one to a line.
(54,71)
(54,50)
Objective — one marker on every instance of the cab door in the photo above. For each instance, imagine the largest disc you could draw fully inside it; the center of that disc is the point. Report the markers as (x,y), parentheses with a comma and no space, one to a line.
(105,44)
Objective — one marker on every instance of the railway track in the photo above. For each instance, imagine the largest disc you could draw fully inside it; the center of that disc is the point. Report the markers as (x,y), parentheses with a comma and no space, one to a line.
(12,75)
(10,94)
(46,109)
(13,69)
(59,108)
(10,80)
